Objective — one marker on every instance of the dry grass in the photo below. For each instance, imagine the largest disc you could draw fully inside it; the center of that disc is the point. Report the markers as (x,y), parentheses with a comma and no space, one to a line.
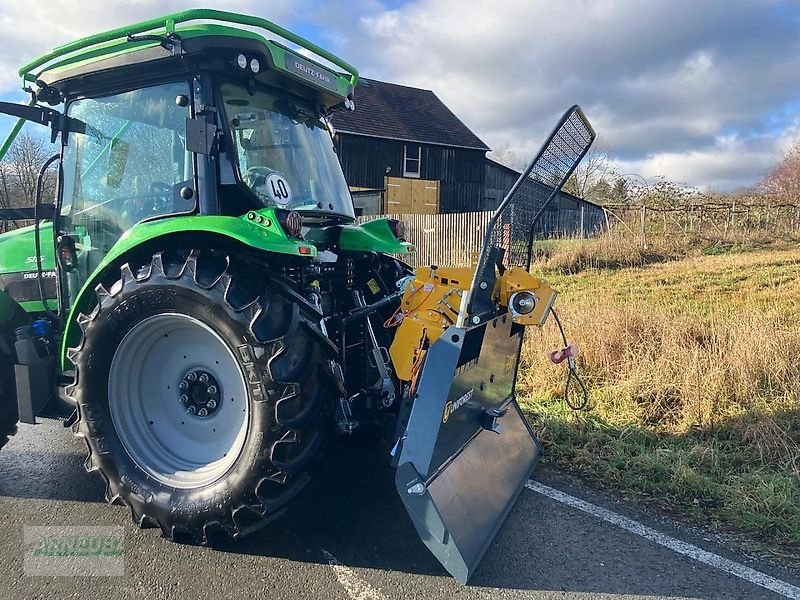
(618,249)
(695,379)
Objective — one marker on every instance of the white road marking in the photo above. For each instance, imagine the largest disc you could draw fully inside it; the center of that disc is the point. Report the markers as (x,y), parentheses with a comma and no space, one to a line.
(709,558)
(356,588)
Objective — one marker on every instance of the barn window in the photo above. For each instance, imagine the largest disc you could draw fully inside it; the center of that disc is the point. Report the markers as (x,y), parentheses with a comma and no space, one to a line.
(412,158)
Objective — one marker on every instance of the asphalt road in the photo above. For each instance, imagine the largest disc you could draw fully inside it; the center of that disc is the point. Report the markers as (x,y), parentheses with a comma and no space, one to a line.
(348,537)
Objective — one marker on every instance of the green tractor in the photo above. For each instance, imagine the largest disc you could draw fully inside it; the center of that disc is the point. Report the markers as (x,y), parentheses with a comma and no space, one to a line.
(199,304)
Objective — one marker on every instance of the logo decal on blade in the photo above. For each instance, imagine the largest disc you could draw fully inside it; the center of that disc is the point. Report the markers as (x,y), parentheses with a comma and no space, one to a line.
(454,405)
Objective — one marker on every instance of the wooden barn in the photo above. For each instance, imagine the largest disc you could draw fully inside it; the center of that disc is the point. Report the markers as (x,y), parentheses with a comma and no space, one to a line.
(404,152)
(405,142)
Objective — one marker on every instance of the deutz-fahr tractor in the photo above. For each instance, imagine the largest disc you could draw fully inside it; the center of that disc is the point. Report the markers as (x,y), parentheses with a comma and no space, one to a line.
(200,305)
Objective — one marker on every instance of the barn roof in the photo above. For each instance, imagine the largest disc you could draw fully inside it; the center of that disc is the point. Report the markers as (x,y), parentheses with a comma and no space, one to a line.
(398,112)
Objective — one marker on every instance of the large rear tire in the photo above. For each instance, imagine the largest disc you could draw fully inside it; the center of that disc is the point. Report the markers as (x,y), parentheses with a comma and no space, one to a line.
(200,399)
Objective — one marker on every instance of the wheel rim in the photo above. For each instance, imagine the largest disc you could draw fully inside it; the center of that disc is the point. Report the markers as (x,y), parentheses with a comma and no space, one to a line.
(155,424)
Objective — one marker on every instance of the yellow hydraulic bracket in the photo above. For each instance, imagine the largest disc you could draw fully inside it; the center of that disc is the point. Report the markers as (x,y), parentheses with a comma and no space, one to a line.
(527,297)
(431,303)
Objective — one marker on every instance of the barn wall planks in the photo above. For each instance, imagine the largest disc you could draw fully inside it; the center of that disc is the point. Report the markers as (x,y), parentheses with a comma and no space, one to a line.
(366,161)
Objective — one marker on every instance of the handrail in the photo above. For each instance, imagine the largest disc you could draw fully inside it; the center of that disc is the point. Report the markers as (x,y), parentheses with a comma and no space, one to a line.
(12,135)
(168,22)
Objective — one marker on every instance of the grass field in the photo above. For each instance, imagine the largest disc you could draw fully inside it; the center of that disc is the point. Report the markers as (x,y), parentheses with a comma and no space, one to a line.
(693,364)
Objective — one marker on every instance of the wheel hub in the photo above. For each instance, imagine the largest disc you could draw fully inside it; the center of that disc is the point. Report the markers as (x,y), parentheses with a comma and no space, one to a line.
(199,393)
(157,357)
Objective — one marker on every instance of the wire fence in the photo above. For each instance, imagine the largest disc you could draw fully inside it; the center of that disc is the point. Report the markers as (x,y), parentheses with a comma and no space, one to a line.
(718,218)
(455,239)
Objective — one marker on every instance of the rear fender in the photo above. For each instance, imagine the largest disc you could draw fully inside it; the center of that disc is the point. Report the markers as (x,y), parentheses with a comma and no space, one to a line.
(257,230)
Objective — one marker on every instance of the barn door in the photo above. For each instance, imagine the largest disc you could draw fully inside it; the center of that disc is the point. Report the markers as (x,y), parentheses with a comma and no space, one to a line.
(411,196)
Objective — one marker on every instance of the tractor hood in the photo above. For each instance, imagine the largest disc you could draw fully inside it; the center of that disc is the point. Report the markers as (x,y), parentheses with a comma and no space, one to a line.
(18,249)
(18,266)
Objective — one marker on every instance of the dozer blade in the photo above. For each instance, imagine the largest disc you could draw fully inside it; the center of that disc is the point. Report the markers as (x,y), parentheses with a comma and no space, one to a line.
(467,451)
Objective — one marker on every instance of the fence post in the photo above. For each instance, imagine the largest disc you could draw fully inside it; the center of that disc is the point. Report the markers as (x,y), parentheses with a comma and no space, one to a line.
(643,217)
(583,225)
(644,222)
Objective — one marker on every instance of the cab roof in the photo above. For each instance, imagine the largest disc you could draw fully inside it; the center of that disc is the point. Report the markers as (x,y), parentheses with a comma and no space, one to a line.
(195,31)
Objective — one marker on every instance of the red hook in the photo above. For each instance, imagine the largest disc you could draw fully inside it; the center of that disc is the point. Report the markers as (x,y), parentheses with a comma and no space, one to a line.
(558,356)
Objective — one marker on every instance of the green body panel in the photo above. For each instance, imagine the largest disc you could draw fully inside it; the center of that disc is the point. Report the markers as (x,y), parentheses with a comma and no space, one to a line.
(257,229)
(37,306)
(373,236)
(18,255)
(18,249)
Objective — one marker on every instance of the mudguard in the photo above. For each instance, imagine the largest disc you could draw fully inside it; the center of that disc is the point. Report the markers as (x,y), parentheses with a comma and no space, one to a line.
(468,450)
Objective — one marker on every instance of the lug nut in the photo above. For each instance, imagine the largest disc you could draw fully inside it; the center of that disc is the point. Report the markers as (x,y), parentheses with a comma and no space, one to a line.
(191,376)
(212,389)
(211,405)
(203,378)
(184,398)
(191,410)
(183,385)
(202,412)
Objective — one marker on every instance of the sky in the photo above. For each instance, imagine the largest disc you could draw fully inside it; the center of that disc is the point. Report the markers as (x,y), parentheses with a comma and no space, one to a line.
(701,92)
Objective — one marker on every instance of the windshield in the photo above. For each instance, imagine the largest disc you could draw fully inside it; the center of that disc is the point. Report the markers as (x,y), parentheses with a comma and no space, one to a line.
(285,154)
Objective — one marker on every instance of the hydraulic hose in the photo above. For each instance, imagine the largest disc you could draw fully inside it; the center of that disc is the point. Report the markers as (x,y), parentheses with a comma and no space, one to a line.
(37,236)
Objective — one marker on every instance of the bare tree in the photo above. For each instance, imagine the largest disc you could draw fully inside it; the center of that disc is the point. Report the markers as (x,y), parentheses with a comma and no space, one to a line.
(19,171)
(783,181)
(594,168)
(505,155)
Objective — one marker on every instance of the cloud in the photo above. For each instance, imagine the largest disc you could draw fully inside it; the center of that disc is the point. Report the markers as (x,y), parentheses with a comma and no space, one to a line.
(731,162)
(701,91)
(663,78)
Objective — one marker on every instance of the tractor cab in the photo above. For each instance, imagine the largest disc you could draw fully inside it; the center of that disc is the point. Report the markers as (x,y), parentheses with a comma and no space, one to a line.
(197,119)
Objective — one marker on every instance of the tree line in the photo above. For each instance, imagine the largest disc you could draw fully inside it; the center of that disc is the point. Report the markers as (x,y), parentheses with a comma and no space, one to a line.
(19,171)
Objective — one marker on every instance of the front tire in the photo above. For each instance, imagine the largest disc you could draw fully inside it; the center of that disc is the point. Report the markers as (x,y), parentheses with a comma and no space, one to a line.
(200,400)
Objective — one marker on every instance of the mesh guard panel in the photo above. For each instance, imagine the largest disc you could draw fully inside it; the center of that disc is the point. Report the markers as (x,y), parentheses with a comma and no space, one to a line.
(511,229)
